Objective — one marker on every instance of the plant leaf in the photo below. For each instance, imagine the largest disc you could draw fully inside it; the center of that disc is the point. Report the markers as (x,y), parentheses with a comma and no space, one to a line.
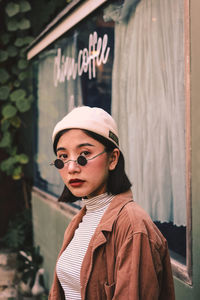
(8,164)
(4,92)
(22,158)
(9,111)
(30,98)
(4,75)
(28,40)
(23,105)
(24,24)
(22,53)
(12,25)
(5,124)
(15,121)
(12,9)
(12,51)
(16,83)
(19,42)
(3,55)
(17,95)
(6,140)
(22,64)
(17,173)
(24,6)
(12,151)
(22,76)
(5,38)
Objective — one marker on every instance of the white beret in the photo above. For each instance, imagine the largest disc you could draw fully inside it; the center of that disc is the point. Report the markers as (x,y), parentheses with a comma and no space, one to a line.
(89,118)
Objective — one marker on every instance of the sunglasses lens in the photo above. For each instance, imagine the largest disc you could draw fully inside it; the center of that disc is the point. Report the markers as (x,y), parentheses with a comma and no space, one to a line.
(81,160)
(59,164)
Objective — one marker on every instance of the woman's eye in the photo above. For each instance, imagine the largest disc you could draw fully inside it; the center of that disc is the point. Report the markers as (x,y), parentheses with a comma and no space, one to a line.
(85,153)
(63,156)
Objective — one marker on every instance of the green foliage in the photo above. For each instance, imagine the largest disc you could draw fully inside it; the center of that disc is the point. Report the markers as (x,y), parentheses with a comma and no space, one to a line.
(15,122)
(12,51)
(3,55)
(27,40)
(23,75)
(24,24)
(4,76)
(9,111)
(24,6)
(15,237)
(17,172)
(15,83)
(14,70)
(22,158)
(12,25)
(13,164)
(12,9)
(19,234)
(4,92)
(5,125)
(22,64)
(19,42)
(23,105)
(6,141)
(17,94)
(8,164)
(5,38)
(19,238)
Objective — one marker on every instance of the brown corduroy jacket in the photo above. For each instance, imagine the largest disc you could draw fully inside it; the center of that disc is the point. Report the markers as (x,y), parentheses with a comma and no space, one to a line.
(127,258)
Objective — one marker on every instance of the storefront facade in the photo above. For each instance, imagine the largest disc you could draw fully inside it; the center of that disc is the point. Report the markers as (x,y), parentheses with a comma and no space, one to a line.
(134,59)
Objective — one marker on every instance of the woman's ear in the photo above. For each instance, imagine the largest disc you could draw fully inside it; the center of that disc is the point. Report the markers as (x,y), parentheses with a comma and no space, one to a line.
(113,160)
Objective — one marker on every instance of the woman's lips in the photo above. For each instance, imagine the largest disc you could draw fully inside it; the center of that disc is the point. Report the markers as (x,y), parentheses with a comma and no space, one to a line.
(76,182)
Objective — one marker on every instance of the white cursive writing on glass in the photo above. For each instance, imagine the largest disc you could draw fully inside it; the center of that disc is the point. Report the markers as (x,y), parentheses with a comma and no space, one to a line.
(66,67)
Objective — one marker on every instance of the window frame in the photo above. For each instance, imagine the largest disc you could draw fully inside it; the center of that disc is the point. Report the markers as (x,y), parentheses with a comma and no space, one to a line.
(184,272)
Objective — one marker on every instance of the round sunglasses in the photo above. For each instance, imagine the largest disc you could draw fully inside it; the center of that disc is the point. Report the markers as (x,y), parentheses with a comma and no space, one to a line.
(81,160)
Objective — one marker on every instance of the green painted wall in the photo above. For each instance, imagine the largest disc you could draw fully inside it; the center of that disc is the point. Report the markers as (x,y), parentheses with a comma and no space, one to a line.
(49,224)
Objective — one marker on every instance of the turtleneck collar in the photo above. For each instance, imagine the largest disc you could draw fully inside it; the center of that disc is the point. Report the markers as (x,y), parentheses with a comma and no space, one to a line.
(97,203)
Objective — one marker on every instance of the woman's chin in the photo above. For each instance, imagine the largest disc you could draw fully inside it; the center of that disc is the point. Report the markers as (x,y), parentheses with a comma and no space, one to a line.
(78,194)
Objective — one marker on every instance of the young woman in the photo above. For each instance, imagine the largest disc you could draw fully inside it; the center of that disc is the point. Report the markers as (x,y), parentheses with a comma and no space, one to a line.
(111,248)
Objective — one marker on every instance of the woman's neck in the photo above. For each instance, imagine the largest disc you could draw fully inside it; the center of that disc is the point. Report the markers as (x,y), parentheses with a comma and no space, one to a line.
(97,202)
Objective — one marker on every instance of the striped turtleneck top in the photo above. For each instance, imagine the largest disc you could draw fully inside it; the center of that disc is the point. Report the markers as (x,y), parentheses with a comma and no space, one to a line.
(69,264)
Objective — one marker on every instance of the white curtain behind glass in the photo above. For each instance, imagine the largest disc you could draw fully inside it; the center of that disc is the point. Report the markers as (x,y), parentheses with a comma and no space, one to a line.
(53,104)
(149,106)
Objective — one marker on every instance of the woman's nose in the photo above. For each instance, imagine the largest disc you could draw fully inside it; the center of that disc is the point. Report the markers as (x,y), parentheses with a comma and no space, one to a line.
(73,166)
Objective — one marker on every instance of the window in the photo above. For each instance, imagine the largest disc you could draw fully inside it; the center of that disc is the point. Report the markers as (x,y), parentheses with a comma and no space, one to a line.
(128,57)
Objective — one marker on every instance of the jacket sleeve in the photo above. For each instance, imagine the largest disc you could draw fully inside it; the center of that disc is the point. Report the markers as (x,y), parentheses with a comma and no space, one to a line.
(143,272)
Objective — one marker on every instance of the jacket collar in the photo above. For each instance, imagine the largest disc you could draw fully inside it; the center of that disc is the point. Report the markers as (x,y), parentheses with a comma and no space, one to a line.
(113,210)
(116,205)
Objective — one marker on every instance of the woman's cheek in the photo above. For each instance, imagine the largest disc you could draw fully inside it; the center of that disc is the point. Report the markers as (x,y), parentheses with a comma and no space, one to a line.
(63,174)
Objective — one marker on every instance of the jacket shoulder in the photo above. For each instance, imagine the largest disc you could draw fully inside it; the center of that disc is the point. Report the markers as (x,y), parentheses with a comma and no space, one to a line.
(133,220)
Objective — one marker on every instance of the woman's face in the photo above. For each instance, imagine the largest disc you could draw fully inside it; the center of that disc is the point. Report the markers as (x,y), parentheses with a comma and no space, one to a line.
(89,180)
